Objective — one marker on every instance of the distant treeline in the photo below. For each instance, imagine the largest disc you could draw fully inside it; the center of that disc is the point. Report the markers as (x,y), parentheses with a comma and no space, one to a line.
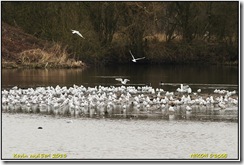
(163,32)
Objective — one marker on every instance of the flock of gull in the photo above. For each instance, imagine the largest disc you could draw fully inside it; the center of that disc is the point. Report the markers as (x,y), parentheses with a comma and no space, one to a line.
(124,101)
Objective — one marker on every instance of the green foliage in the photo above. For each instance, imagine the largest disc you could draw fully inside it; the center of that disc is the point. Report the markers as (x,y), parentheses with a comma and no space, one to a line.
(179,32)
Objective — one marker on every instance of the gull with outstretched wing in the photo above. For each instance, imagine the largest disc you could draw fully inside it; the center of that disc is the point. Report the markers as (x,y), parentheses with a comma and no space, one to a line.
(122,81)
(78,33)
(135,59)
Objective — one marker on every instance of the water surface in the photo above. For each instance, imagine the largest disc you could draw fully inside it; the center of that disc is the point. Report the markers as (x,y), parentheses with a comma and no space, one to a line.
(89,138)
(204,77)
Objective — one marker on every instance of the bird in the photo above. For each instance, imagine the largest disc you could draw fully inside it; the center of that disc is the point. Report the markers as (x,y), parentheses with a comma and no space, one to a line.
(184,88)
(188,108)
(171,109)
(78,33)
(161,83)
(109,101)
(46,65)
(122,81)
(135,59)
(188,112)
(69,121)
(189,90)
(222,105)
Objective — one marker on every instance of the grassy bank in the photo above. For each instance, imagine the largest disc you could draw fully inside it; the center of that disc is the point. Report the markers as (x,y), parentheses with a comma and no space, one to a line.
(21,50)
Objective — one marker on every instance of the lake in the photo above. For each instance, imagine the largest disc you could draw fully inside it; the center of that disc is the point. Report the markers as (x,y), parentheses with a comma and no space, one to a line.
(114,138)
(89,138)
(206,77)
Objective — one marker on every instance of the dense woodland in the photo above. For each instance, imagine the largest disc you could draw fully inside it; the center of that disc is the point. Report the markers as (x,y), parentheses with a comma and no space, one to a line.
(163,32)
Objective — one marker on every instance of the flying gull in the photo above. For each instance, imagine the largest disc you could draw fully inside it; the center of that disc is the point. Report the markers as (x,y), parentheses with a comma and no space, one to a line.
(77,32)
(135,59)
(122,81)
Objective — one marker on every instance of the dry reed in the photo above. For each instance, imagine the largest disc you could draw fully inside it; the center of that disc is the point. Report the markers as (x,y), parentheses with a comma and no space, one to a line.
(55,56)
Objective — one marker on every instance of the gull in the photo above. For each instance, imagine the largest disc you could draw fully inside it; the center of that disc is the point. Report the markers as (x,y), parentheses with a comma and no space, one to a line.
(188,112)
(77,32)
(46,65)
(122,81)
(222,105)
(188,108)
(135,59)
(171,109)
(69,121)
(184,88)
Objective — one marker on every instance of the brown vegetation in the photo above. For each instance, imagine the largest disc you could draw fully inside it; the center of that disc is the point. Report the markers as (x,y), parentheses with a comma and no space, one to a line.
(163,32)
(20,49)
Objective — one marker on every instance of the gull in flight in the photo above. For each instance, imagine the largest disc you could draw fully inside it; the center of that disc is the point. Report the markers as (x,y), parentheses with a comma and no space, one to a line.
(135,59)
(77,32)
(122,81)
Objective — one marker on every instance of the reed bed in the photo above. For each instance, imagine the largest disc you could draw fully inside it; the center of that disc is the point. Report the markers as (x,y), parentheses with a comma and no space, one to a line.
(53,57)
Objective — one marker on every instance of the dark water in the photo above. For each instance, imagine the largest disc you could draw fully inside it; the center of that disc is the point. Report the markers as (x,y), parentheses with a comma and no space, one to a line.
(198,76)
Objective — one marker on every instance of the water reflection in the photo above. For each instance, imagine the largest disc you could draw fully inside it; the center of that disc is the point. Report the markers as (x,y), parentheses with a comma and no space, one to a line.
(138,75)
(39,77)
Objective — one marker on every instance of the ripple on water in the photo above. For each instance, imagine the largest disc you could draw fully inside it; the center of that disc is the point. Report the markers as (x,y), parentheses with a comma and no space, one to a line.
(88,138)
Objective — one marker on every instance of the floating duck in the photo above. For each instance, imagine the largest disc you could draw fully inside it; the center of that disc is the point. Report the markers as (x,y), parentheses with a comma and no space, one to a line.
(69,121)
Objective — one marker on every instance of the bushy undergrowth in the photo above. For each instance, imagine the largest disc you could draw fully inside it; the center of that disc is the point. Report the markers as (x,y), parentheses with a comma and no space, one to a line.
(23,50)
(176,53)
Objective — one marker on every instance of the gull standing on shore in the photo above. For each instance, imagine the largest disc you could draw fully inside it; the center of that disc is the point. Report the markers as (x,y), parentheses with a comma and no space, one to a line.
(135,59)
(78,33)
